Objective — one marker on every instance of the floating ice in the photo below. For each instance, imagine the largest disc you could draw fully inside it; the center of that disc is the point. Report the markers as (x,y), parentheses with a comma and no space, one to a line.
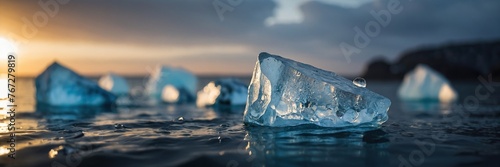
(114,84)
(170,94)
(181,80)
(59,86)
(288,93)
(423,83)
(227,91)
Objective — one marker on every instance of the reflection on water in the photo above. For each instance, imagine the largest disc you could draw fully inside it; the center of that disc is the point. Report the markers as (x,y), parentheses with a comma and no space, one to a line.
(312,146)
(4,92)
(5,117)
(429,107)
(4,151)
(13,128)
(4,128)
(53,152)
(142,135)
(4,109)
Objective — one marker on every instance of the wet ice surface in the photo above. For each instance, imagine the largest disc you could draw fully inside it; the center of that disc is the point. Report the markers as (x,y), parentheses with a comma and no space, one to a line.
(115,84)
(224,91)
(155,136)
(284,92)
(60,86)
(165,81)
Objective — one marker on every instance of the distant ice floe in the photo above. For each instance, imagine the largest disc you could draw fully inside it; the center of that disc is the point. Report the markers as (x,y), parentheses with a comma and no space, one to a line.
(423,83)
(60,86)
(114,84)
(226,91)
(172,85)
(170,94)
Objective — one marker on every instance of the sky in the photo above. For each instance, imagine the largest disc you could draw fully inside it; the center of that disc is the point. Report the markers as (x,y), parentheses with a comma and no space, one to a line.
(224,37)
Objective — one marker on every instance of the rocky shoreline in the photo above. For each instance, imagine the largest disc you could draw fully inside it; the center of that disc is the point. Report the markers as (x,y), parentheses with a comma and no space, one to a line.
(464,61)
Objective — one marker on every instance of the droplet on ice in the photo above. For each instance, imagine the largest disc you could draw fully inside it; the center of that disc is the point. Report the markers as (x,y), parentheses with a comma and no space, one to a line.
(359,82)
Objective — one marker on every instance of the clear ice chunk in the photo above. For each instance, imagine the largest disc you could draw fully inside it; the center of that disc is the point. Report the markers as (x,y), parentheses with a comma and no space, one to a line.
(59,86)
(425,84)
(163,79)
(226,91)
(114,84)
(284,92)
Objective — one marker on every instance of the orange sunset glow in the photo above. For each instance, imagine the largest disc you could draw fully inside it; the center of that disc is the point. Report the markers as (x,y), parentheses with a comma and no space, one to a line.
(147,83)
(94,37)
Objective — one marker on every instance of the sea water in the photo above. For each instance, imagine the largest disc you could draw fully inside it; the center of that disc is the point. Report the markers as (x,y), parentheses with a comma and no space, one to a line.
(465,133)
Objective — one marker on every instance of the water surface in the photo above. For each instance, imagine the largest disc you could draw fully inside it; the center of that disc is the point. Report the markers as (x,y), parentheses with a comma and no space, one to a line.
(416,134)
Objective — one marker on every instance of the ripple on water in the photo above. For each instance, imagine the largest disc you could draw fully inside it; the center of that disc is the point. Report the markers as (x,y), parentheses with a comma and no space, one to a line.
(159,138)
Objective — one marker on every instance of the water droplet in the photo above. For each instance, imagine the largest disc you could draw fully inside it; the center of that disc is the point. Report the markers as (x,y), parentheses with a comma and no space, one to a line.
(359,82)
(180,119)
(119,126)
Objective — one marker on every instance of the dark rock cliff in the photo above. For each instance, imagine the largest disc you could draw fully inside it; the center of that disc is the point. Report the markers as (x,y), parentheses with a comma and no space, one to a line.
(455,61)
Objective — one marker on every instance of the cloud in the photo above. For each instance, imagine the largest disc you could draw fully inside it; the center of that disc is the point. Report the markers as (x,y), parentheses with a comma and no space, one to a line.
(144,21)
(421,22)
(184,24)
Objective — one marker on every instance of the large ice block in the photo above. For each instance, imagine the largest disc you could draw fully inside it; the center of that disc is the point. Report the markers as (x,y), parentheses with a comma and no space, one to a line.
(59,86)
(226,91)
(284,92)
(114,84)
(163,79)
(423,83)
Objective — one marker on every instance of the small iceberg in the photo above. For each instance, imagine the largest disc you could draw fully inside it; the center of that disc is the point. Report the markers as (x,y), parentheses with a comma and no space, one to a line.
(170,94)
(60,86)
(227,91)
(425,84)
(114,84)
(284,92)
(172,85)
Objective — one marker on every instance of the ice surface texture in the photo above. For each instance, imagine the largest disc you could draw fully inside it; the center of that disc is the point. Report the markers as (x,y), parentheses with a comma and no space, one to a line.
(226,91)
(163,79)
(423,83)
(114,84)
(59,86)
(284,92)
